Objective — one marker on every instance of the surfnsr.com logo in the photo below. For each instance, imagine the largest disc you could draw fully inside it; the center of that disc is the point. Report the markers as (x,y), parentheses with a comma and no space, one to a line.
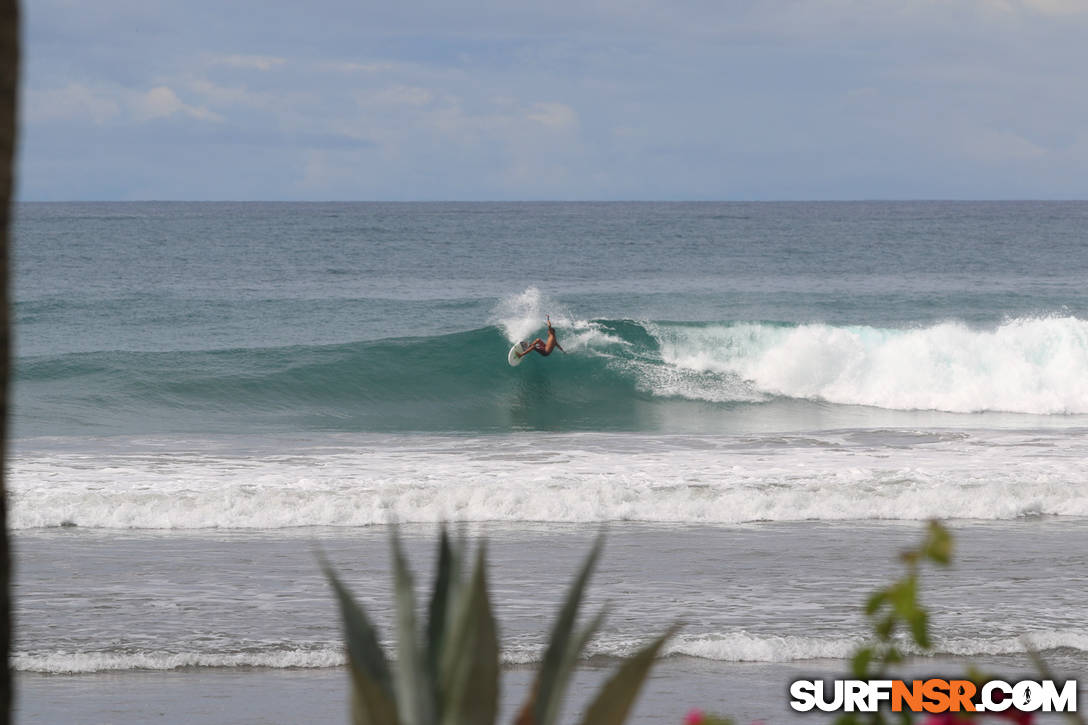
(933,695)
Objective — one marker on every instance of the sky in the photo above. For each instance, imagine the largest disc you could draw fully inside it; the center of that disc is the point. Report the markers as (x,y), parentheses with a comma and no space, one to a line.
(566,100)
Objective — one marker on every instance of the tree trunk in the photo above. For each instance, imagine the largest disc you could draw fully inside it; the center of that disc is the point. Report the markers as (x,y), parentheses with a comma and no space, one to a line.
(9,85)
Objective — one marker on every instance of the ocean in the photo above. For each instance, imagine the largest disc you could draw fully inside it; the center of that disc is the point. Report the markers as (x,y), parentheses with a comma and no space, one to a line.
(759,403)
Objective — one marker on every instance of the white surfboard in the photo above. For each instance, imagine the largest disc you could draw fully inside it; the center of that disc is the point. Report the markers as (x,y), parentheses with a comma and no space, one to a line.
(512,356)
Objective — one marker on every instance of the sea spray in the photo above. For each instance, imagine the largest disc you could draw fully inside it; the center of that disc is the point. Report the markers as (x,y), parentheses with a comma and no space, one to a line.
(521,316)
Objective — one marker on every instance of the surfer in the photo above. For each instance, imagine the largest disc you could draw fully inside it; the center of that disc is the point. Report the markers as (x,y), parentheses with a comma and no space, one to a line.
(544,347)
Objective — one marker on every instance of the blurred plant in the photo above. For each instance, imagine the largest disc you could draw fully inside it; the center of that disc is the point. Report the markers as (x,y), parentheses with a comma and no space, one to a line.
(890,609)
(894,608)
(897,607)
(447,672)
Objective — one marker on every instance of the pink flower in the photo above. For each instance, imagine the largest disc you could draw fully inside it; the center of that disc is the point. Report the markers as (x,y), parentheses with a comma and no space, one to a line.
(695,717)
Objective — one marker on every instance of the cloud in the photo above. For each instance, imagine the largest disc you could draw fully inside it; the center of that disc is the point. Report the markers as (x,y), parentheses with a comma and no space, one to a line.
(345,66)
(597,99)
(162,102)
(322,171)
(402,96)
(1056,8)
(554,115)
(74,102)
(992,146)
(248,62)
(80,104)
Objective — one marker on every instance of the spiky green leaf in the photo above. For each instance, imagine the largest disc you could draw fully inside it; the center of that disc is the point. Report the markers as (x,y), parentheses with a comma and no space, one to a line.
(438,613)
(415,693)
(372,692)
(618,694)
(552,708)
(470,660)
(547,690)
(369,703)
(440,597)
(362,637)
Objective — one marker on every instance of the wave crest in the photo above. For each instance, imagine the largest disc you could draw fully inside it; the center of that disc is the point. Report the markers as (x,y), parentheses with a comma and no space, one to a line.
(1036,366)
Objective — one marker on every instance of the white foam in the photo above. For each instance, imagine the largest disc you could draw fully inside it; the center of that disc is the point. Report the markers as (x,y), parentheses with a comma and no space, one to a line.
(690,382)
(588,336)
(726,647)
(1040,641)
(561,478)
(86,662)
(747,647)
(739,646)
(1037,365)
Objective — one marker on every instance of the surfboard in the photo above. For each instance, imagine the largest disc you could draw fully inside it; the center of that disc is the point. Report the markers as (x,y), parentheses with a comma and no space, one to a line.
(512,356)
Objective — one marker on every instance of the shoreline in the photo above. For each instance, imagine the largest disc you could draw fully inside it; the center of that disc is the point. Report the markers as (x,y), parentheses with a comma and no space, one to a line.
(775,593)
(746,692)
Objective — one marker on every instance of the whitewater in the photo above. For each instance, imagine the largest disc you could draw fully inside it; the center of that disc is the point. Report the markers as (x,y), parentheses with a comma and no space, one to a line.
(1033,366)
(583,478)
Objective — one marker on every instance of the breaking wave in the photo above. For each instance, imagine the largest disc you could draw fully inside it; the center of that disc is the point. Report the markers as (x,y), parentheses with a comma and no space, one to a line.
(618,375)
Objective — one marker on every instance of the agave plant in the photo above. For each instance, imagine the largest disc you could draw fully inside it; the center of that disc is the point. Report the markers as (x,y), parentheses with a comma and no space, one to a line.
(447,672)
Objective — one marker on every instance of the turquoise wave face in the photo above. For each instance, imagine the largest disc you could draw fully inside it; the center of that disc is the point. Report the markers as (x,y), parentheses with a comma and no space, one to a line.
(459,381)
(618,375)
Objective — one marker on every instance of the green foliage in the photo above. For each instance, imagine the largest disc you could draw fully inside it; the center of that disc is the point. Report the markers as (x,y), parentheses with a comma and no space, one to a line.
(447,673)
(618,694)
(564,647)
(372,691)
(896,608)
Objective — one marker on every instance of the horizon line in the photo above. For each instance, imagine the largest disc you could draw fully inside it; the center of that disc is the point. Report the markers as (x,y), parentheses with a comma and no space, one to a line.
(907,200)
